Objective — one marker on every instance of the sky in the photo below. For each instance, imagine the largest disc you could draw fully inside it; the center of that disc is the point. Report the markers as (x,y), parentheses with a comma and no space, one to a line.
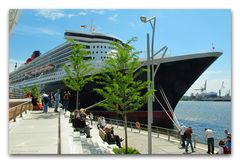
(183,31)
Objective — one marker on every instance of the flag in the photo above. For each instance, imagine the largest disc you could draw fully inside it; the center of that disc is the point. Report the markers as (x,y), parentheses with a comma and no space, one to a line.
(83,26)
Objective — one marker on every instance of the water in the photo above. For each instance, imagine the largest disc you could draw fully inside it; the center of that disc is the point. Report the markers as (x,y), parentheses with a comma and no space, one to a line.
(205,114)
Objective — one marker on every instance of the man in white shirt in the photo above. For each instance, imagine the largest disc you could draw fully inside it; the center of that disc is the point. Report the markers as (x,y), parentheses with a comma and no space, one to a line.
(210,140)
(182,130)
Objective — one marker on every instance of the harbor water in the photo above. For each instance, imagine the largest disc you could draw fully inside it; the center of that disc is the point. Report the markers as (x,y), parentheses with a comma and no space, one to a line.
(205,114)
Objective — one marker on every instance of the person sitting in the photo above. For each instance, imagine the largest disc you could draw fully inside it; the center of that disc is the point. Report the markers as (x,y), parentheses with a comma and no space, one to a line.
(80,122)
(111,137)
(228,143)
(223,149)
(102,123)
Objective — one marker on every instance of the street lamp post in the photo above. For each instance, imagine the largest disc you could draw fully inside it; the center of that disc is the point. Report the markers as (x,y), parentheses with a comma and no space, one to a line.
(151,74)
(150,60)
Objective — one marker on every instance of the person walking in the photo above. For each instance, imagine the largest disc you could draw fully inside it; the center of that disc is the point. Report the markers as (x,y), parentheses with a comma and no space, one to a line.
(57,100)
(188,136)
(66,97)
(210,140)
(182,131)
(45,101)
(50,96)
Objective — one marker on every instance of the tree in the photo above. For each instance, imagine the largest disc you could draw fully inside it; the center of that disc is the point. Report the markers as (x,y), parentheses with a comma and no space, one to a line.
(79,72)
(120,87)
(35,91)
(26,91)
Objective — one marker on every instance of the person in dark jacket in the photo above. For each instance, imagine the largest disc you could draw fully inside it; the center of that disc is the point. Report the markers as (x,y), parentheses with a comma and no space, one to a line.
(188,136)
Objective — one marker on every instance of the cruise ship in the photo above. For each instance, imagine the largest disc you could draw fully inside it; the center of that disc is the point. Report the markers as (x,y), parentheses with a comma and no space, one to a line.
(173,78)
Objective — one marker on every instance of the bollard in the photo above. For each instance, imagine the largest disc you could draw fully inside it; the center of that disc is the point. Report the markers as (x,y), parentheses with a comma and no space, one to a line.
(194,143)
(131,127)
(21,110)
(168,135)
(26,108)
(14,115)
(157,132)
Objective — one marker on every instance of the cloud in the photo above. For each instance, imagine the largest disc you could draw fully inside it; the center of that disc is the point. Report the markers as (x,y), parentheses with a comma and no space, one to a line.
(27,30)
(99,12)
(113,18)
(214,72)
(82,13)
(51,14)
(132,25)
(57,14)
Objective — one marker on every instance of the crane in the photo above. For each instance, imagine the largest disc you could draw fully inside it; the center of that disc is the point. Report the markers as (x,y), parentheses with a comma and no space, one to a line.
(220,90)
(204,88)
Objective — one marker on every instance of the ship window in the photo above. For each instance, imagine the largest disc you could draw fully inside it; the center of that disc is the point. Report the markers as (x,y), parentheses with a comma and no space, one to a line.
(105,52)
(101,51)
(97,46)
(92,52)
(101,57)
(101,46)
(104,46)
(87,58)
(93,46)
(93,57)
(87,47)
(96,51)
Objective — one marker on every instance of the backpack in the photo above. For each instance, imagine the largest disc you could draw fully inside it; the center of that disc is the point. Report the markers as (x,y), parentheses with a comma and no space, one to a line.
(46,99)
(226,150)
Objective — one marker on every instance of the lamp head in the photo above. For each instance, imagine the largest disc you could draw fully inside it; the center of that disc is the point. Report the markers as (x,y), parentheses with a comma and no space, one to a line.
(143,19)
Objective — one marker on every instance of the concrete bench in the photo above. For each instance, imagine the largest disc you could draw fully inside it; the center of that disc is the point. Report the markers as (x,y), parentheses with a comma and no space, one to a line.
(105,138)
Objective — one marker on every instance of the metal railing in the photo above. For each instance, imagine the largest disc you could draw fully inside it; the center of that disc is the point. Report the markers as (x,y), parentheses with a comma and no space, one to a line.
(15,93)
(169,134)
(18,110)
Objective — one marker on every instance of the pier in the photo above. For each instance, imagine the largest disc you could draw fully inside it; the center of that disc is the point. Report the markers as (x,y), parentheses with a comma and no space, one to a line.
(51,133)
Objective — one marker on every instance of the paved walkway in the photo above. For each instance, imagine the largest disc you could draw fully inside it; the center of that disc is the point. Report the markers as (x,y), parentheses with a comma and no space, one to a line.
(159,145)
(37,133)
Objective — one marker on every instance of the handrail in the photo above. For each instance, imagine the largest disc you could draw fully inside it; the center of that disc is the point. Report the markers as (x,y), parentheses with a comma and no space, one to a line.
(171,134)
(18,110)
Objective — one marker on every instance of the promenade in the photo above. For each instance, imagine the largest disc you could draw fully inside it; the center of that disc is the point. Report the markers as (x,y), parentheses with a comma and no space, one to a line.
(40,133)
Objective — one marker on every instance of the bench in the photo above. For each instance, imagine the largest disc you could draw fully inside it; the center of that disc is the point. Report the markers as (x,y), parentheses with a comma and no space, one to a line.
(80,130)
(78,127)
(105,138)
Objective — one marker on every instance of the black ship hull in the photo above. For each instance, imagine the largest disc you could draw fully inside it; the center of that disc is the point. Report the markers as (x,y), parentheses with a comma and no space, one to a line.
(174,76)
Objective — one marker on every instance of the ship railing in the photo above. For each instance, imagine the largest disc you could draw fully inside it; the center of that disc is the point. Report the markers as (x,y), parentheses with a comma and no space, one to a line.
(15,93)
(15,111)
(159,132)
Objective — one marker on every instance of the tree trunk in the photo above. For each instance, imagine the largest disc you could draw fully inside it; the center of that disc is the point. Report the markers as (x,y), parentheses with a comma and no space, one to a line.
(125,128)
(77,99)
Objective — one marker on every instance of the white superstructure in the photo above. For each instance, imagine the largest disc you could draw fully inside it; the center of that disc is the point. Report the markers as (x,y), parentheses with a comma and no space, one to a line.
(47,68)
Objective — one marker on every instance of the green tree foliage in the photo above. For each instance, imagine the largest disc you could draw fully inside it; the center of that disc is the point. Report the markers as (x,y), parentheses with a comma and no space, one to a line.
(80,71)
(35,91)
(123,151)
(120,87)
(26,90)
